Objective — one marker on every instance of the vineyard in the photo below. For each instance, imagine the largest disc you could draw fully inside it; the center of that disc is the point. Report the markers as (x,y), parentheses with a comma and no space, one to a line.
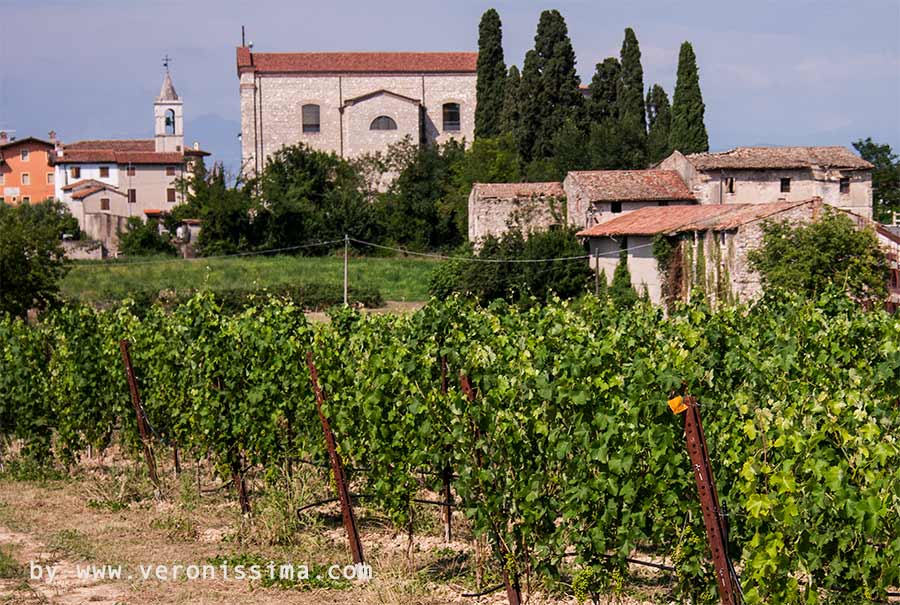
(548,424)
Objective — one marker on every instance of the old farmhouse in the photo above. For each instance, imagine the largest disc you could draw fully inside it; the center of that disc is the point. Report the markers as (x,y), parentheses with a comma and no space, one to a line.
(352,103)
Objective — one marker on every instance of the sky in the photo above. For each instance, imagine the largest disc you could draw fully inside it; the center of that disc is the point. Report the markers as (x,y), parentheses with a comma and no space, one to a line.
(787,72)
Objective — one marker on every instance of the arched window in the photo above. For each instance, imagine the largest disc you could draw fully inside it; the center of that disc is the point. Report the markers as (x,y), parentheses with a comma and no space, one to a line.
(310,118)
(451,116)
(170,121)
(383,123)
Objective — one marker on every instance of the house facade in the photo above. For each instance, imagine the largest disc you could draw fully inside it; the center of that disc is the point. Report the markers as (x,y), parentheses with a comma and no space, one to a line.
(748,175)
(26,176)
(495,208)
(352,103)
(106,182)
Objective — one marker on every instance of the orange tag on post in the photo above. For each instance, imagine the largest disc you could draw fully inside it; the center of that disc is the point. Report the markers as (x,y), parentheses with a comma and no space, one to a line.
(677,405)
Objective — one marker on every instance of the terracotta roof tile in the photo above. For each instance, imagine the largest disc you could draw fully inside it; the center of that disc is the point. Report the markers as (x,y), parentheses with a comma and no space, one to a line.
(677,219)
(82,184)
(80,194)
(749,158)
(357,62)
(81,156)
(16,142)
(113,145)
(517,190)
(631,185)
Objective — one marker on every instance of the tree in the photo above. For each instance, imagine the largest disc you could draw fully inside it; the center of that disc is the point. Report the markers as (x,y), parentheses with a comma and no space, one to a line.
(32,260)
(688,132)
(491,76)
(143,238)
(630,101)
(509,115)
(550,85)
(620,290)
(885,177)
(603,89)
(570,149)
(530,113)
(659,121)
(810,258)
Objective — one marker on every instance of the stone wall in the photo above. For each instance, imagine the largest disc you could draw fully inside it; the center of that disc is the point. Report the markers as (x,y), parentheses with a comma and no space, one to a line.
(494,217)
(271,110)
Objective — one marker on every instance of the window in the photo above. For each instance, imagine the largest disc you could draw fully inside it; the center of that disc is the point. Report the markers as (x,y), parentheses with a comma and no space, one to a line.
(615,207)
(132,196)
(26,200)
(729,185)
(170,121)
(130,170)
(76,172)
(310,118)
(26,178)
(383,123)
(451,116)
(1,178)
(104,203)
(845,184)
(49,178)
(25,155)
(785,185)
(170,195)
(170,170)
(104,172)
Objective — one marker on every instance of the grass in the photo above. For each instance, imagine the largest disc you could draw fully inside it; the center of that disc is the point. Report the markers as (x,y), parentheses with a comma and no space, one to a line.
(9,567)
(398,279)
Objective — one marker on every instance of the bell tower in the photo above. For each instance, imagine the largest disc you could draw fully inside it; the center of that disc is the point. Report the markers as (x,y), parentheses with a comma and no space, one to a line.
(168,117)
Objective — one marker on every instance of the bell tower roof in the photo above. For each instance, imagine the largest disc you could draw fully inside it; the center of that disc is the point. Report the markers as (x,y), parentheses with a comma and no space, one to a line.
(167,91)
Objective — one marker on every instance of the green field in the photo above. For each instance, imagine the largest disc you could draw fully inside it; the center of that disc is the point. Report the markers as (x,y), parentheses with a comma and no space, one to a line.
(400,279)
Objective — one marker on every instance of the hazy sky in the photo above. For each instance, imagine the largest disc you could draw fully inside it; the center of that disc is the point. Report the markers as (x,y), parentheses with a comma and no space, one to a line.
(787,72)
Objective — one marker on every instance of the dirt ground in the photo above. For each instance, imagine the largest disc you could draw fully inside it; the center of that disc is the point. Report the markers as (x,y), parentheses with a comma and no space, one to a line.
(110,516)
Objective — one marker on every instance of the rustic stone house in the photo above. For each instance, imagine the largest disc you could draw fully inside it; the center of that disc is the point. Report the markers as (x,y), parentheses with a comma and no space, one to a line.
(495,208)
(352,103)
(749,175)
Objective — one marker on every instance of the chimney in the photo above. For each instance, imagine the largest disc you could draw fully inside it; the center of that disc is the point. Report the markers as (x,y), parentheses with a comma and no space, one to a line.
(52,136)
(196,146)
(3,137)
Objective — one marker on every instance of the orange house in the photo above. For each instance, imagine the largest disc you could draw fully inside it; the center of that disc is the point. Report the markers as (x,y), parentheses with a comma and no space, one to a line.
(25,171)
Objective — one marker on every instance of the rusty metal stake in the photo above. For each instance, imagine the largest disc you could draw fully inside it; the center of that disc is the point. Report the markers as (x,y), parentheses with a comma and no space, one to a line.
(713,516)
(139,412)
(337,467)
(511,582)
(446,473)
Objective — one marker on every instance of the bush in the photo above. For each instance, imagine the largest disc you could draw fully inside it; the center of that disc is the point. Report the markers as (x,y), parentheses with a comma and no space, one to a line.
(143,238)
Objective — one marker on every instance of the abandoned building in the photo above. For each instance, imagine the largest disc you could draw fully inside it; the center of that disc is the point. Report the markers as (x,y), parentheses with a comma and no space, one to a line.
(352,103)
(705,247)
(749,175)
(105,182)
(495,208)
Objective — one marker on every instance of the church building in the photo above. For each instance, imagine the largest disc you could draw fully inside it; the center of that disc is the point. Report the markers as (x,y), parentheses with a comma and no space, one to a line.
(105,182)
(352,103)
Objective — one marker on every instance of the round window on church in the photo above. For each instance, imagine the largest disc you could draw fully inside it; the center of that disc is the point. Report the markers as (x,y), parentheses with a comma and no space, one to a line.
(383,123)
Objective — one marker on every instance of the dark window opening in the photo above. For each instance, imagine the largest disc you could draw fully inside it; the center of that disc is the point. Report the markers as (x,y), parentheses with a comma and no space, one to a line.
(170,195)
(845,184)
(785,185)
(76,172)
(170,121)
(451,116)
(104,203)
(104,172)
(310,118)
(615,207)
(170,170)
(132,196)
(729,185)
(383,123)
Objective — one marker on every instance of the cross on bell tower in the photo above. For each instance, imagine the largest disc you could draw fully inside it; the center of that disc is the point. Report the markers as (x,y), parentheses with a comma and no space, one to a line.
(168,115)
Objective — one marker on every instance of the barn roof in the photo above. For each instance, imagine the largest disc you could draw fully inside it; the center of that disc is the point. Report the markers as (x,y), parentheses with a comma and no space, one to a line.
(357,62)
(653,220)
(755,158)
(631,185)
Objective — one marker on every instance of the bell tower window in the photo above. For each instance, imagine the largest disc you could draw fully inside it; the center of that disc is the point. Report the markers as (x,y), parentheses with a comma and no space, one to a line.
(170,121)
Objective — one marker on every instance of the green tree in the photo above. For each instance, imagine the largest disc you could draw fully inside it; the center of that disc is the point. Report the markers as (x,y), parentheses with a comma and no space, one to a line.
(813,257)
(620,290)
(659,121)
(688,132)
(885,177)
(630,101)
(550,84)
(528,103)
(143,238)
(32,260)
(491,76)
(604,135)
(570,149)
(509,115)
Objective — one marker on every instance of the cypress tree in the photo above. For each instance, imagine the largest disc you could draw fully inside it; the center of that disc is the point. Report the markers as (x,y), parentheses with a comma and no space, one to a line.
(602,103)
(509,114)
(491,76)
(529,104)
(620,290)
(630,101)
(688,132)
(554,92)
(659,119)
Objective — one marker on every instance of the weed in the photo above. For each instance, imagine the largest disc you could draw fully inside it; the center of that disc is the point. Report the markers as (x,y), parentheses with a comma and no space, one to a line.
(71,542)
(177,528)
(9,567)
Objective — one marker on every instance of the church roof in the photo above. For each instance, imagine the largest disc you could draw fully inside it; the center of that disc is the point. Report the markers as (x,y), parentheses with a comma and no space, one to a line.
(167,91)
(357,62)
